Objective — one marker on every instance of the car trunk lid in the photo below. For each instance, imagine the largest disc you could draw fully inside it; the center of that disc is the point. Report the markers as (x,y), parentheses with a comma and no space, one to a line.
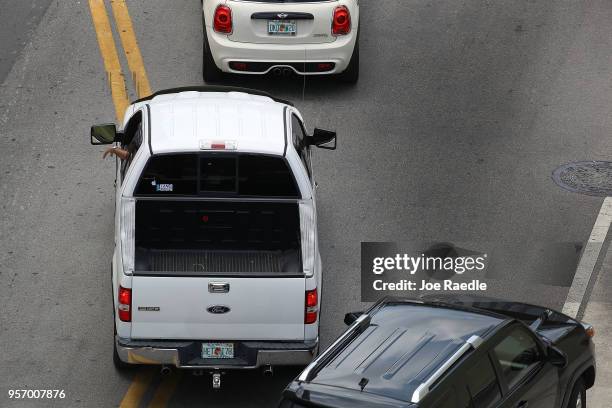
(282,23)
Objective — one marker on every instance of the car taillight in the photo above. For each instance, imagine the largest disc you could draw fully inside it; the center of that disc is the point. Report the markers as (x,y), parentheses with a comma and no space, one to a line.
(310,315)
(341,23)
(125,304)
(222,22)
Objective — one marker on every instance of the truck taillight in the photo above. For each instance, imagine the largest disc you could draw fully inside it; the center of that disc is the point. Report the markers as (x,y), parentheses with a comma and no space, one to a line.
(222,22)
(341,22)
(125,304)
(311,308)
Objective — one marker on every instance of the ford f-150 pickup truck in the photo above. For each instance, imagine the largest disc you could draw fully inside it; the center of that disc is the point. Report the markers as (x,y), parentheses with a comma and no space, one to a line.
(216,263)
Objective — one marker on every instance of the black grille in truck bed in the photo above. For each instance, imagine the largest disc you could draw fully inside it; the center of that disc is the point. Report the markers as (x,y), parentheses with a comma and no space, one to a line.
(218,261)
(209,237)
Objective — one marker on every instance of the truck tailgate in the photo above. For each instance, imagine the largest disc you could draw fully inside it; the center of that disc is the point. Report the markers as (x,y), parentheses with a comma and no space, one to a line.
(178,308)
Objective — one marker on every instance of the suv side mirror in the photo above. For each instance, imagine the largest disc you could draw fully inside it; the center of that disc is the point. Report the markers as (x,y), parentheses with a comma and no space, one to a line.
(323,139)
(104,134)
(556,357)
(350,318)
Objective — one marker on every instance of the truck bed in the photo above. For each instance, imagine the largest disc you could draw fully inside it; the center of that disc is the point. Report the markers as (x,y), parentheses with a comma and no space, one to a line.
(217,237)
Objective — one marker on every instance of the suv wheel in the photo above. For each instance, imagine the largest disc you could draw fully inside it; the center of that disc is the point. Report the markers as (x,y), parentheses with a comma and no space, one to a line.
(210,71)
(578,397)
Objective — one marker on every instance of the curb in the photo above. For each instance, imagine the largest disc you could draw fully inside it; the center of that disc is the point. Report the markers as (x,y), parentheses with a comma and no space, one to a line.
(590,263)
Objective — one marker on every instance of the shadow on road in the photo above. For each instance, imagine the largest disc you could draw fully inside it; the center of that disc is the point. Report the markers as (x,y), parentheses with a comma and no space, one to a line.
(296,86)
(238,389)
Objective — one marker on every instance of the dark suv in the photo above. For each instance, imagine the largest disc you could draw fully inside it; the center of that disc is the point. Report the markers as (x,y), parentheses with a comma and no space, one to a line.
(451,353)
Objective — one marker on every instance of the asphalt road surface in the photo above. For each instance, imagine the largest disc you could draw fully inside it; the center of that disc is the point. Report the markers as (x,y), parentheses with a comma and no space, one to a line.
(19,19)
(463,110)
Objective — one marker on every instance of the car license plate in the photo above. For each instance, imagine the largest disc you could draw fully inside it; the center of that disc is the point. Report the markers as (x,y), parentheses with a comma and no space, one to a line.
(282,27)
(218,350)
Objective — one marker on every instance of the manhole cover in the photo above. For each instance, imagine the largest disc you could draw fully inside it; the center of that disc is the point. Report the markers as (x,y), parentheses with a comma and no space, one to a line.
(590,177)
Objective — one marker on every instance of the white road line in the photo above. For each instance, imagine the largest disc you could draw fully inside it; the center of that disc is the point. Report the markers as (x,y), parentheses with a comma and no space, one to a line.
(588,261)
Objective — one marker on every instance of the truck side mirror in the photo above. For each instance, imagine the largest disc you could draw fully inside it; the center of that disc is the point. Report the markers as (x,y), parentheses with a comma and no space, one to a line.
(104,134)
(350,318)
(556,357)
(323,139)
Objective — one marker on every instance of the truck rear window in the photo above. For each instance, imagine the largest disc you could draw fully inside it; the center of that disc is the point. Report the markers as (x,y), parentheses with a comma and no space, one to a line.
(217,174)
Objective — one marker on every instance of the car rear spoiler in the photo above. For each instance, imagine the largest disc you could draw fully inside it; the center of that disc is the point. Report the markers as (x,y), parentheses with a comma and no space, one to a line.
(213,88)
(532,315)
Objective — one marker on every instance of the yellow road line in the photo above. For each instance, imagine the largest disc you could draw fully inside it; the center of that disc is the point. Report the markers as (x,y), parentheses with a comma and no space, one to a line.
(137,389)
(165,390)
(108,49)
(110,56)
(141,381)
(130,46)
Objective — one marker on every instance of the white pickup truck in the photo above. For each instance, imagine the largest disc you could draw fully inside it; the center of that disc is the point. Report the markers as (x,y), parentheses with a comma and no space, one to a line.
(216,263)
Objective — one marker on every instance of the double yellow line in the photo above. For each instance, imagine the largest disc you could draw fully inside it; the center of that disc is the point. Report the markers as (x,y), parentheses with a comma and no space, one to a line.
(143,379)
(110,56)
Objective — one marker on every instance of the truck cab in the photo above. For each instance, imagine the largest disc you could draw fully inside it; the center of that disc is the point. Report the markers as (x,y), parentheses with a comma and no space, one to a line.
(216,263)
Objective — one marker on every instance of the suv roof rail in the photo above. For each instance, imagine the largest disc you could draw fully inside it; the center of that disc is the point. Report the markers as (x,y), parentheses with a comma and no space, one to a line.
(213,88)
(308,372)
(422,390)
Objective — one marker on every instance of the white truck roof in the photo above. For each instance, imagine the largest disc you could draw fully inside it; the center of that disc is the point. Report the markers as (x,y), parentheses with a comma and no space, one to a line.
(182,121)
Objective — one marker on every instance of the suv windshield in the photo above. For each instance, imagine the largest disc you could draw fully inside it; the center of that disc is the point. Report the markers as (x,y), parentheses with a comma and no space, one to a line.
(219,174)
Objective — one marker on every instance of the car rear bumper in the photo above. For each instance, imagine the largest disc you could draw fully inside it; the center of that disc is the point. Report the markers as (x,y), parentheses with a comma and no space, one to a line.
(187,354)
(270,56)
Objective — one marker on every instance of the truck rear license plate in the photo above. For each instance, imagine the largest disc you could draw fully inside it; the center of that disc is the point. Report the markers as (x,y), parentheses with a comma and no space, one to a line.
(218,350)
(282,27)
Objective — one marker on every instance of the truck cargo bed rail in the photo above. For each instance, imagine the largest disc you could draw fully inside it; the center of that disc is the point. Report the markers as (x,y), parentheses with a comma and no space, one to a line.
(203,262)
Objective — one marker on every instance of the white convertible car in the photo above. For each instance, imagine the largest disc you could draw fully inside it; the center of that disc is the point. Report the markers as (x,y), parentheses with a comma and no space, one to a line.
(282,37)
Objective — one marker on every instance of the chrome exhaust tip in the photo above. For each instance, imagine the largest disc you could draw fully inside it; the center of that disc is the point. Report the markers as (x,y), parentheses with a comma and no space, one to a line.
(277,71)
(287,72)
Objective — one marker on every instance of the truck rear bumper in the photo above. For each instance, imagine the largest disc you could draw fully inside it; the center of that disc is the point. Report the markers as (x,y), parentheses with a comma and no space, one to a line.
(187,354)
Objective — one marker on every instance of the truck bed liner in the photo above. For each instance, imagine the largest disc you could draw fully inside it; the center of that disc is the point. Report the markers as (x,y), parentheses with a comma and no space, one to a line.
(217,237)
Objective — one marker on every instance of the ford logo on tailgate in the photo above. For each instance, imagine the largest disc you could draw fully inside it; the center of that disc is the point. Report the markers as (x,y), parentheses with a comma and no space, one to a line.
(218,309)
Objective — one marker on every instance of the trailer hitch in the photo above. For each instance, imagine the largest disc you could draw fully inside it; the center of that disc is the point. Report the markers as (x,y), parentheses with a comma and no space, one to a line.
(216,380)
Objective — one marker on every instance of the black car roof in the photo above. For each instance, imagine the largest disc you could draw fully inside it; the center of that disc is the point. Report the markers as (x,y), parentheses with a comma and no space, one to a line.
(402,346)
